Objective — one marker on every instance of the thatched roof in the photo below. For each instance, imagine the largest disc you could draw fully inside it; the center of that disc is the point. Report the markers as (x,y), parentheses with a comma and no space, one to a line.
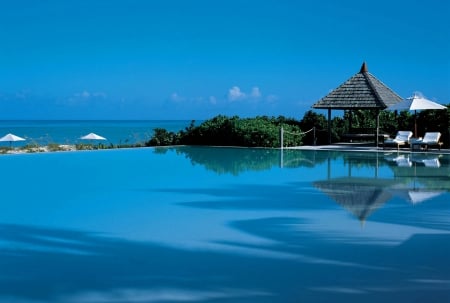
(362,91)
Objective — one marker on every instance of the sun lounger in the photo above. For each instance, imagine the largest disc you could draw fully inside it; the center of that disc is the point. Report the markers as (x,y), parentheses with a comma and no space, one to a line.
(430,139)
(402,138)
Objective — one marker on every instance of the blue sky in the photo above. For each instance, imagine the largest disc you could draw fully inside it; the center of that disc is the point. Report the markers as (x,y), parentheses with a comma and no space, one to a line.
(173,59)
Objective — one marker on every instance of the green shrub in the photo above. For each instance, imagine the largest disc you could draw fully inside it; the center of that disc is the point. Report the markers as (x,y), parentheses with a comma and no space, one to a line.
(232,131)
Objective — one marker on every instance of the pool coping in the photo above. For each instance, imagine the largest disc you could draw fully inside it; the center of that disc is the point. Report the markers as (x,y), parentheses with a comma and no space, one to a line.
(366,148)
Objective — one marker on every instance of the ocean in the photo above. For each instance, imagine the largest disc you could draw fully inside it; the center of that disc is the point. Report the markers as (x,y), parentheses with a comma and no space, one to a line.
(43,132)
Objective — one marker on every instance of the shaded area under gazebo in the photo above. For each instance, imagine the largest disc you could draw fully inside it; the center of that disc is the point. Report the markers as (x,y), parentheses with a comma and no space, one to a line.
(362,91)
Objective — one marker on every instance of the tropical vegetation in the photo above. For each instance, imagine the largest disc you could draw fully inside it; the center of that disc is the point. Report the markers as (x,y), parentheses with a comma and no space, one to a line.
(221,130)
(312,129)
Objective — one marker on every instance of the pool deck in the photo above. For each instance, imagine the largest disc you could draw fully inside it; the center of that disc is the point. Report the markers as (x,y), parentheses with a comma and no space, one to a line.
(368,147)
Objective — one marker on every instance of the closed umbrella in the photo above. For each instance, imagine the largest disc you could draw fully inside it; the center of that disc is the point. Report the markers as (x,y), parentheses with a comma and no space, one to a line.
(11,138)
(415,103)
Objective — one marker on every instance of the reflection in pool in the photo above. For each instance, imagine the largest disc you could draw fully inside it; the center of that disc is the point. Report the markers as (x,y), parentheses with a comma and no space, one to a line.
(200,224)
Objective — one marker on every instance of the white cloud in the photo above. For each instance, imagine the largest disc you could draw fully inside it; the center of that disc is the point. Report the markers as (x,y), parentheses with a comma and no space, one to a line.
(22,95)
(212,100)
(83,94)
(176,98)
(256,93)
(272,98)
(99,95)
(235,93)
(86,95)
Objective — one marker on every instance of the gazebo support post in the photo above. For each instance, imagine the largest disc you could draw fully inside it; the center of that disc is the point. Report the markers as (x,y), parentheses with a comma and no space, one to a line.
(415,124)
(378,128)
(350,120)
(329,125)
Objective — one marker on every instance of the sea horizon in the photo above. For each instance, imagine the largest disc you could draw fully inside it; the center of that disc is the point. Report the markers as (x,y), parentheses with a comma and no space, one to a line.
(44,132)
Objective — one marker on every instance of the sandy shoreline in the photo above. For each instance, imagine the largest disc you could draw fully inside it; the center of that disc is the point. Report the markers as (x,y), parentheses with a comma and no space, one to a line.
(40,149)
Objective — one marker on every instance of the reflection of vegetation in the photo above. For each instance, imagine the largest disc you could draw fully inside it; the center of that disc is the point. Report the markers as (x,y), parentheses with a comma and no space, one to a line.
(359,160)
(228,160)
(232,160)
(237,160)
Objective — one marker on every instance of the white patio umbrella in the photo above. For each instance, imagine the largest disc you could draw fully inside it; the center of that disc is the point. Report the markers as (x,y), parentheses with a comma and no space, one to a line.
(92,137)
(415,103)
(11,138)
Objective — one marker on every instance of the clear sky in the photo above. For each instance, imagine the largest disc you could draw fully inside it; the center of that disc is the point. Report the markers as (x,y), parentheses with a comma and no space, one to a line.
(181,59)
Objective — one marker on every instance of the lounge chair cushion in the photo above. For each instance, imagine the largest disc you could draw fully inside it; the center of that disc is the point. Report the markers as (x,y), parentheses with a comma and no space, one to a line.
(431,138)
(402,137)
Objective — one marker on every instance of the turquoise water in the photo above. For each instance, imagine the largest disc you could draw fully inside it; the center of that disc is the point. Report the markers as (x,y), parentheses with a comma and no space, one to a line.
(202,224)
(44,132)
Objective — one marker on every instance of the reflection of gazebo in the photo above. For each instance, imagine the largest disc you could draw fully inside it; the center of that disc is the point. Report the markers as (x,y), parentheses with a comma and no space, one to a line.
(362,91)
(360,196)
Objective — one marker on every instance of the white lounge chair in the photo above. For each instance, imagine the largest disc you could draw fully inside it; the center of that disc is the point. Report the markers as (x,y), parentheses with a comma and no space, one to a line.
(430,139)
(402,138)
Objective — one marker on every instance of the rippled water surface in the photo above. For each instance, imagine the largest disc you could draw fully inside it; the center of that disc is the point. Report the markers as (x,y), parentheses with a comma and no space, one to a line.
(198,224)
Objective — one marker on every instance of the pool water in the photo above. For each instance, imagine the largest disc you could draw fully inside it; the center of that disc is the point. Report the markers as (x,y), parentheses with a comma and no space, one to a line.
(204,224)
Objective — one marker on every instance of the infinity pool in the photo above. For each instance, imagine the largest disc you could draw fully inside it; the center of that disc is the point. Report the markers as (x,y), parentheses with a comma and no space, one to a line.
(199,224)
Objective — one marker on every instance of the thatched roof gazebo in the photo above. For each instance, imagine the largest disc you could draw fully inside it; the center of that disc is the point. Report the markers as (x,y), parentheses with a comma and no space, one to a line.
(362,91)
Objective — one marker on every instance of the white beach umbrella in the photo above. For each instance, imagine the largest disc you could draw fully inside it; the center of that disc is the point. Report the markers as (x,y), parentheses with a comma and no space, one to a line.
(415,103)
(11,138)
(92,136)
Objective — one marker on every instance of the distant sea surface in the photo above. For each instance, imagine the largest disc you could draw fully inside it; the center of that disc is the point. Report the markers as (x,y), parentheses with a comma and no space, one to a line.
(44,132)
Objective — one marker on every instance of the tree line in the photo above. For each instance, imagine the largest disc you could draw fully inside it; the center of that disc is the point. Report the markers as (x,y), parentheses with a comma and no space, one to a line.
(264,131)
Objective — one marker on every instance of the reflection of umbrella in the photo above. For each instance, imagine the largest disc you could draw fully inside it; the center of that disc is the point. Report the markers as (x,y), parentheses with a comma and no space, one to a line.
(416,103)
(417,196)
(11,138)
(93,136)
